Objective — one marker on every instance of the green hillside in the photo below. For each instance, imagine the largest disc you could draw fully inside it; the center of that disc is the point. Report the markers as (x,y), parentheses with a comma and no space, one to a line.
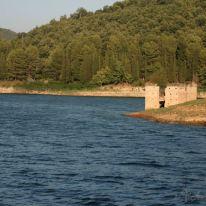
(7,34)
(132,41)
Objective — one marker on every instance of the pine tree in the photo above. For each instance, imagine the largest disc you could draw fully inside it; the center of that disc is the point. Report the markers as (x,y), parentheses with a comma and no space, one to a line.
(33,62)
(56,63)
(17,62)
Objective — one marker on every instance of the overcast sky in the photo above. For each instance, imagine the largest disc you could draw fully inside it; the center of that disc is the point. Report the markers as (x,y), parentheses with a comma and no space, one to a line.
(23,15)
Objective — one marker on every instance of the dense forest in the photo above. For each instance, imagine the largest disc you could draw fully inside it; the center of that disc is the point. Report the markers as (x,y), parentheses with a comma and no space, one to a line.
(7,34)
(132,41)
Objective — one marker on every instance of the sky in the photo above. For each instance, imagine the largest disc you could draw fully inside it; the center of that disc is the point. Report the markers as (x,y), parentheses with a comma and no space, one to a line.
(24,15)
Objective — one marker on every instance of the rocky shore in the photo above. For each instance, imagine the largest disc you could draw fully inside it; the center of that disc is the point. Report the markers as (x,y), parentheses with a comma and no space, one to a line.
(123,90)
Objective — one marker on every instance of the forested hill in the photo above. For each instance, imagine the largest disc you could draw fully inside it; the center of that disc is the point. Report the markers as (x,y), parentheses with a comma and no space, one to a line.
(7,34)
(132,41)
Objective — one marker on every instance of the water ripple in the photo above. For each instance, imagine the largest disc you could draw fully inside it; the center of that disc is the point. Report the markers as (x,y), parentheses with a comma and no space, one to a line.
(80,151)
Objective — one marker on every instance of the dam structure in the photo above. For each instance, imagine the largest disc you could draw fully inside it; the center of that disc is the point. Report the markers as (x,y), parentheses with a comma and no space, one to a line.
(173,94)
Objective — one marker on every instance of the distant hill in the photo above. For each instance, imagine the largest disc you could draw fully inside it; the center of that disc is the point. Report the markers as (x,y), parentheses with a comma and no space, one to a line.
(160,41)
(7,34)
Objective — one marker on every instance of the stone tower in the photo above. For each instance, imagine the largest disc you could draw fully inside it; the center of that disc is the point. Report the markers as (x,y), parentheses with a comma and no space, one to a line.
(152,97)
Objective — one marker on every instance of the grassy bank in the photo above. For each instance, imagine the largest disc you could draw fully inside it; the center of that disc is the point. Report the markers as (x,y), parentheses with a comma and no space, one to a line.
(193,113)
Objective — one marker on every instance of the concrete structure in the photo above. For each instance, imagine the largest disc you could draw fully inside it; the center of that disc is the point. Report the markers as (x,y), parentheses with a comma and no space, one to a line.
(180,93)
(174,94)
(152,95)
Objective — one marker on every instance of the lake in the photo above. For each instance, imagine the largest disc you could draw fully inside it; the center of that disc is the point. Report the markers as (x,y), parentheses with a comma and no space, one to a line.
(78,151)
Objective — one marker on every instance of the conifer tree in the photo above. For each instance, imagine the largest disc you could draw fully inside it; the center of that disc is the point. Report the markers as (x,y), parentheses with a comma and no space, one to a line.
(17,63)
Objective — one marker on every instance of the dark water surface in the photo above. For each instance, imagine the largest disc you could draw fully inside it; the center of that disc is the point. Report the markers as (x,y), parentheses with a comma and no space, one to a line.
(82,151)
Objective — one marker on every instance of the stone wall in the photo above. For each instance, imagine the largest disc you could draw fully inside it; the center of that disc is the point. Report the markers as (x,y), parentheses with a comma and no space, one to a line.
(152,96)
(180,93)
(171,96)
(174,94)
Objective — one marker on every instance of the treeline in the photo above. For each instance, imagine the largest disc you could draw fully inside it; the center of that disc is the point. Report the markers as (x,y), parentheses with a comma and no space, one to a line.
(132,41)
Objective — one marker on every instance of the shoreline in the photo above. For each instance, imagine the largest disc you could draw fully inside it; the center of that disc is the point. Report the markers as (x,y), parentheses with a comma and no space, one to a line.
(164,121)
(107,91)
(190,113)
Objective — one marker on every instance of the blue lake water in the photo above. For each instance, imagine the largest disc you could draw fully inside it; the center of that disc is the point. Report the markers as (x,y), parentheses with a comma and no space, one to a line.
(83,151)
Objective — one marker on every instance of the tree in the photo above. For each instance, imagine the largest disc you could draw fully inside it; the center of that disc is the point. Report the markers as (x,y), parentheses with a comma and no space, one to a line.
(33,62)
(5,48)
(66,71)
(168,48)
(86,72)
(81,12)
(202,70)
(17,62)
(151,55)
(55,63)
(103,77)
(135,57)
(193,53)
